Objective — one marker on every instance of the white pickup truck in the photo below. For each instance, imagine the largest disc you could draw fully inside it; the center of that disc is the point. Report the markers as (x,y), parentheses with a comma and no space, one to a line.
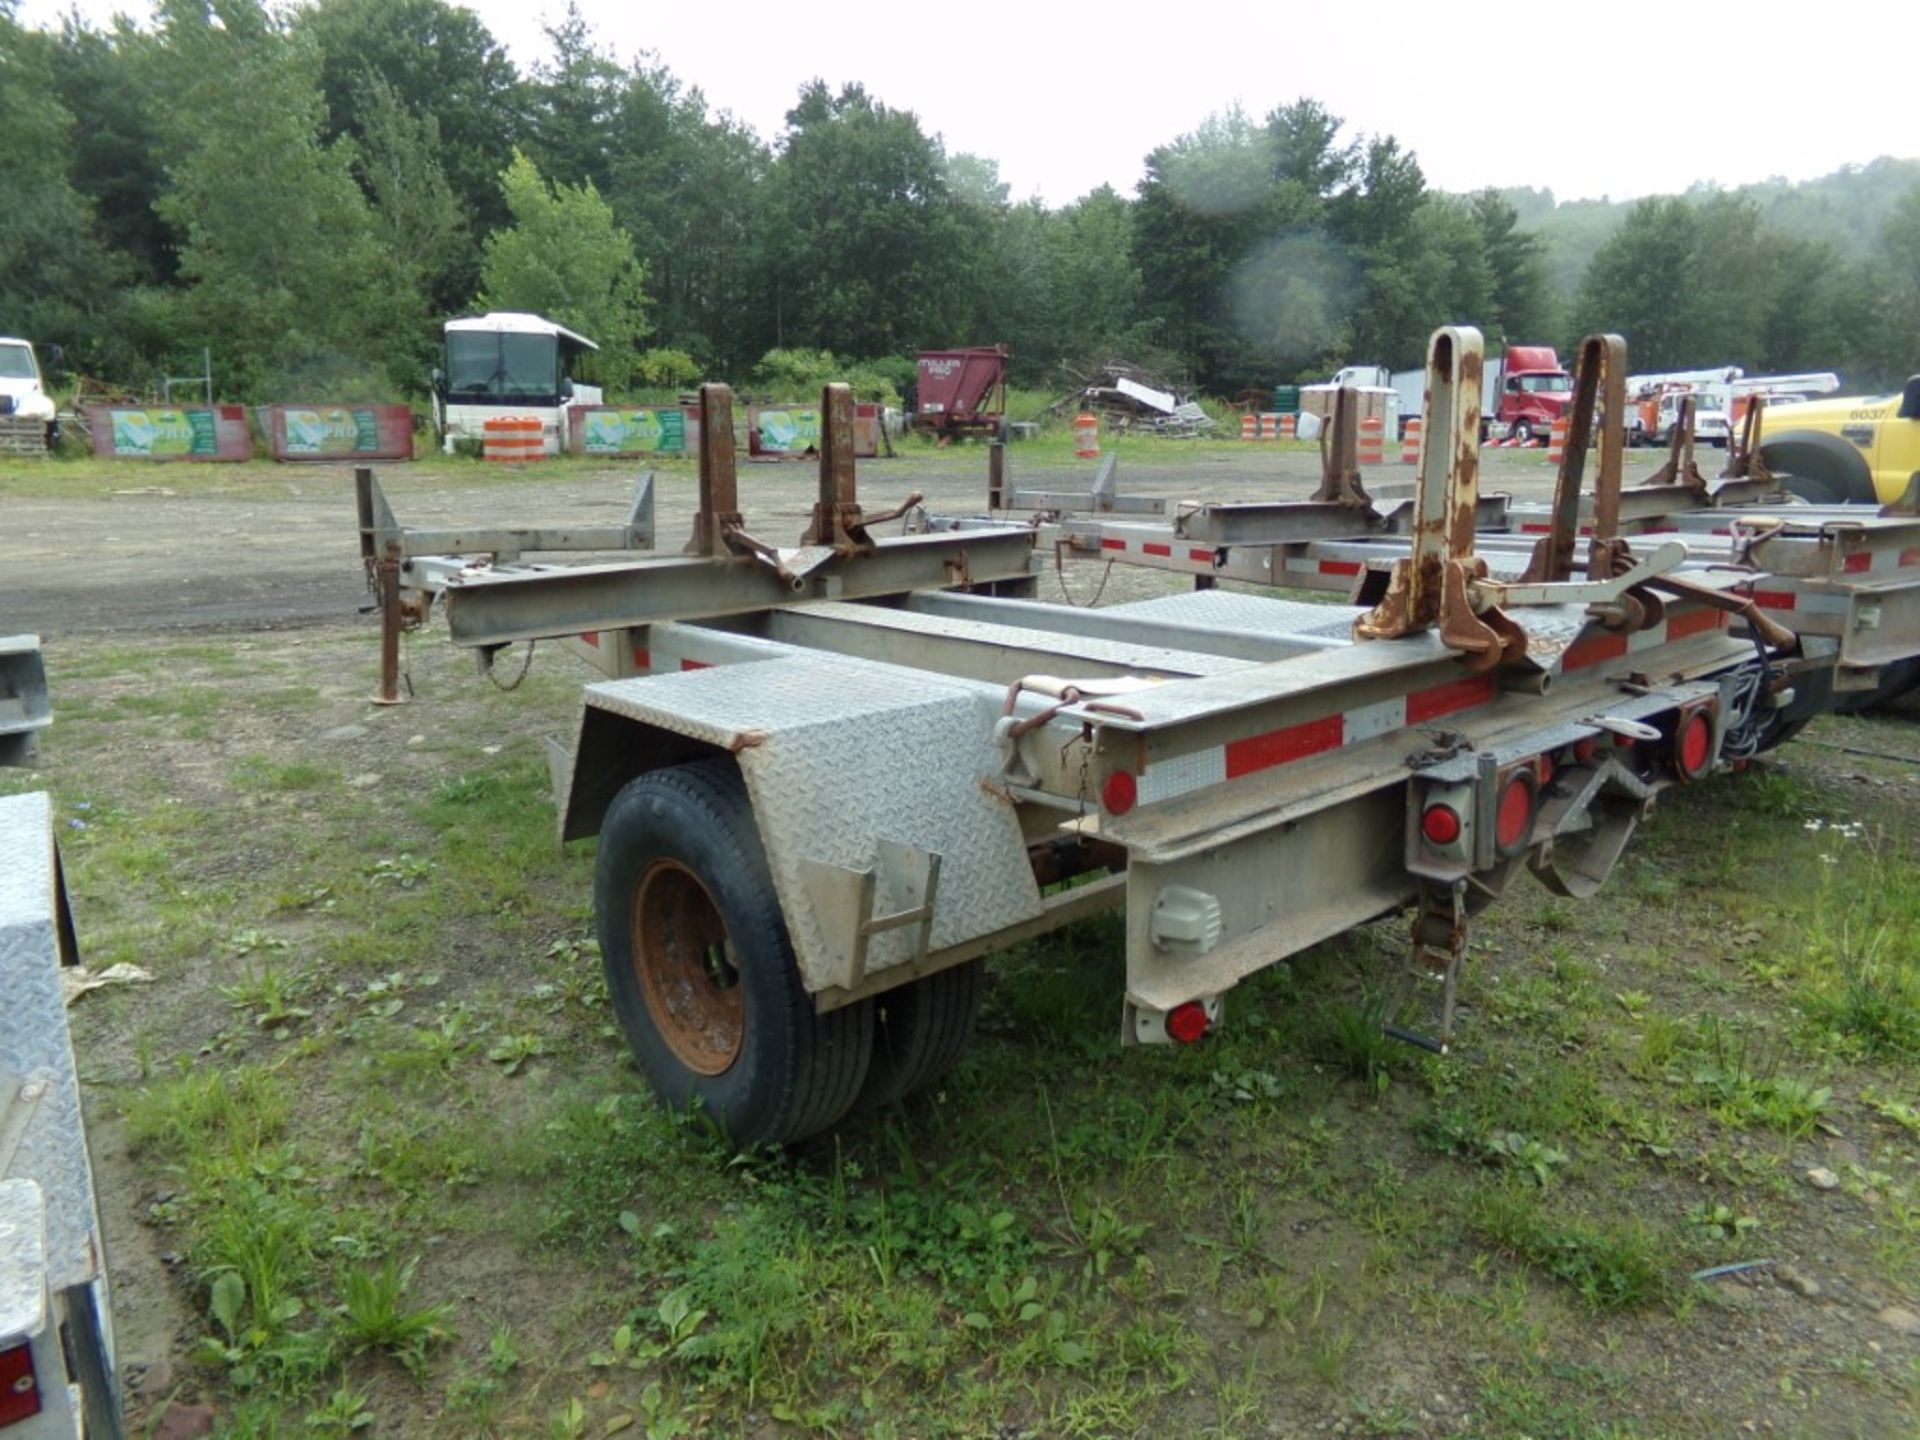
(23,394)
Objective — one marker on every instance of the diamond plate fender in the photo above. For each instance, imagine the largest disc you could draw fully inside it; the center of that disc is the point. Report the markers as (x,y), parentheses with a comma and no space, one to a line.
(845,760)
(41,1134)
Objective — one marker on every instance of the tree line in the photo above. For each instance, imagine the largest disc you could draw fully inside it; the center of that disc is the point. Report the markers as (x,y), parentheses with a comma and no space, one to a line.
(308,193)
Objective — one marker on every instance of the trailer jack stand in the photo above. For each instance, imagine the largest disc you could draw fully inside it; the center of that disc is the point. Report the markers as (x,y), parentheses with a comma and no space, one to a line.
(1439,948)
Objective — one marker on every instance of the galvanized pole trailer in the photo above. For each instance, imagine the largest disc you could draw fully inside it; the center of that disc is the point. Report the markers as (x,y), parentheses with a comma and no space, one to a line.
(830,779)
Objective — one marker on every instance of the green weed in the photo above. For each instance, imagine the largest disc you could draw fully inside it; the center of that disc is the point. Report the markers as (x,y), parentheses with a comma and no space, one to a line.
(374,1315)
(1612,1266)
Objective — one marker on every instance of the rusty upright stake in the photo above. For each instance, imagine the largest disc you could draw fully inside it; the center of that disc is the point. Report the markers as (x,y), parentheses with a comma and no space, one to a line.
(1449,465)
(1599,396)
(1680,469)
(1340,453)
(836,511)
(719,483)
(996,475)
(387,587)
(1744,461)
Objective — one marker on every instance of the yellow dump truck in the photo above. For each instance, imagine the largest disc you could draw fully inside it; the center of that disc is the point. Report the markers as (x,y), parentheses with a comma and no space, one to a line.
(1864,449)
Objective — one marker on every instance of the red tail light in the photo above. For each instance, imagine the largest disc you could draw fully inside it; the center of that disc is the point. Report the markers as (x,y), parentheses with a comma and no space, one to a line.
(1119,793)
(19,1389)
(1440,824)
(1187,1023)
(1693,751)
(1513,819)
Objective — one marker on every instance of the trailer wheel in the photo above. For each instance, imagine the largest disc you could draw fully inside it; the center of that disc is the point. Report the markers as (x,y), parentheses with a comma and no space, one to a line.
(701,970)
(920,1029)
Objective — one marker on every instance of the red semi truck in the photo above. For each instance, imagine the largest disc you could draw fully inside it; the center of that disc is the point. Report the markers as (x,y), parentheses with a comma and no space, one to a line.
(1534,392)
(1525,390)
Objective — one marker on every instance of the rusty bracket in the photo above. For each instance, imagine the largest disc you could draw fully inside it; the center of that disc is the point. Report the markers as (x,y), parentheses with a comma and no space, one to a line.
(881,517)
(837,519)
(1599,399)
(1680,469)
(1776,636)
(719,511)
(1744,461)
(1439,951)
(1436,583)
(1664,558)
(1340,482)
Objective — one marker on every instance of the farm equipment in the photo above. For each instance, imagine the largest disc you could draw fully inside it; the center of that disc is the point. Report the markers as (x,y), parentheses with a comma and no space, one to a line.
(961,392)
(828,780)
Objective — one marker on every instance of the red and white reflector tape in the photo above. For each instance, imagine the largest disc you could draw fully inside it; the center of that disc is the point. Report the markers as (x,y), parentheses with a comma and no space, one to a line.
(1182,774)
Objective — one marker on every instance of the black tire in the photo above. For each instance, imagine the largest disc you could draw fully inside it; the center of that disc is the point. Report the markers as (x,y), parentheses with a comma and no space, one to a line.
(1522,432)
(1781,733)
(1896,679)
(1820,468)
(920,1029)
(700,968)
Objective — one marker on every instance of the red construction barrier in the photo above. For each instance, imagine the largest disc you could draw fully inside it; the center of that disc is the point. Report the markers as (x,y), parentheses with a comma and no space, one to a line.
(163,432)
(617,432)
(338,432)
(792,431)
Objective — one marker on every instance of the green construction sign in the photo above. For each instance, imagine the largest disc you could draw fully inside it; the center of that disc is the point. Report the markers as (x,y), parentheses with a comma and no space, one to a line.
(164,433)
(332,432)
(789,431)
(635,432)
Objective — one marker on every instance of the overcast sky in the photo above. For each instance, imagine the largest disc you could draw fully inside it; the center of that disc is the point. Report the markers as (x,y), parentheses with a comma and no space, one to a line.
(1068,97)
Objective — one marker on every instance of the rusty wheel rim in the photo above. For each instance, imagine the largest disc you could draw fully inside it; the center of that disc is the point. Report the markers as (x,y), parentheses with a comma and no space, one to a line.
(684,961)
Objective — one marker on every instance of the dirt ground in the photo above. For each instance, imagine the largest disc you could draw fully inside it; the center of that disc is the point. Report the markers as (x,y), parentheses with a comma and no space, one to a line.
(1411,1311)
(271,548)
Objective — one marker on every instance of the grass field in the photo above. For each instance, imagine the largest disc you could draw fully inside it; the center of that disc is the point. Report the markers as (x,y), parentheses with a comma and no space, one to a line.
(373,1158)
(374,1119)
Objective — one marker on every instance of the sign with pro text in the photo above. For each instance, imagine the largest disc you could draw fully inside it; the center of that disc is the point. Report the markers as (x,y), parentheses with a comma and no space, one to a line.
(186,432)
(339,432)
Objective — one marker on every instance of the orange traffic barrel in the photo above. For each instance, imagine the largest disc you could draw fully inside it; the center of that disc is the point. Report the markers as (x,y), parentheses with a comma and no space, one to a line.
(1086,436)
(1410,443)
(1373,441)
(1277,426)
(1557,441)
(1250,426)
(513,438)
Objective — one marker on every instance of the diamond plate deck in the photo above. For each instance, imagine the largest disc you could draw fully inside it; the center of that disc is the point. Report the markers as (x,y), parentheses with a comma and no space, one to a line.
(842,753)
(1122,655)
(1227,610)
(34,1046)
